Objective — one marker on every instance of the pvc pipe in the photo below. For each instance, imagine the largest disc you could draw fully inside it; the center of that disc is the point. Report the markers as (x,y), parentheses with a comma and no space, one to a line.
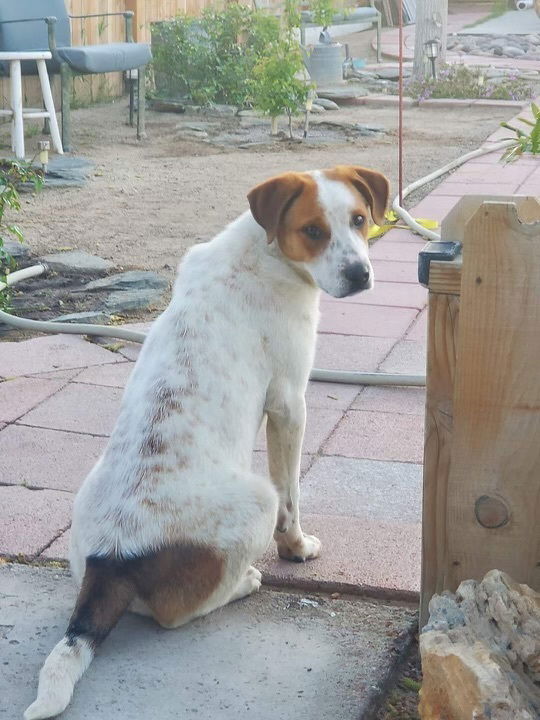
(365,378)
(524,4)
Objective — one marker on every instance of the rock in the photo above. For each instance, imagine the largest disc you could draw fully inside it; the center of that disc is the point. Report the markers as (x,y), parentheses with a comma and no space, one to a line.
(345,95)
(68,171)
(250,114)
(196,126)
(74,262)
(392,73)
(130,280)
(481,652)
(221,110)
(327,104)
(17,250)
(497,51)
(512,51)
(189,133)
(316,109)
(126,300)
(367,130)
(92,318)
(167,106)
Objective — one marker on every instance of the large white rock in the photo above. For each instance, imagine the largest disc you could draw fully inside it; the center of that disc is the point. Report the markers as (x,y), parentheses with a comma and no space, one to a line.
(481,652)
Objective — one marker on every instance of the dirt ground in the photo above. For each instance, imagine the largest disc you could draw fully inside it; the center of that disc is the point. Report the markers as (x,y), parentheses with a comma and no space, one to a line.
(147,202)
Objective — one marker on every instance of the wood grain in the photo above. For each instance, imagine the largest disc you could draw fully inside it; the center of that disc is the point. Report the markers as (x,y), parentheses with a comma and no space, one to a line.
(496,439)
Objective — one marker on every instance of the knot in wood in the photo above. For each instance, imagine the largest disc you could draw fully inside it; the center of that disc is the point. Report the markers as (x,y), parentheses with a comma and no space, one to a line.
(491,512)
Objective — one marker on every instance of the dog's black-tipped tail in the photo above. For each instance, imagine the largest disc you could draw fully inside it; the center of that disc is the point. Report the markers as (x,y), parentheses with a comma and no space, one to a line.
(105,594)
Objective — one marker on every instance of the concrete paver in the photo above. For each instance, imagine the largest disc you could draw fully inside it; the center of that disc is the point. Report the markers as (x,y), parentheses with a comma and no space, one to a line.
(31,519)
(21,394)
(389,294)
(44,458)
(378,436)
(371,320)
(79,408)
(111,375)
(274,656)
(371,489)
(335,396)
(320,423)
(403,400)
(357,555)
(396,271)
(386,249)
(407,356)
(51,352)
(350,352)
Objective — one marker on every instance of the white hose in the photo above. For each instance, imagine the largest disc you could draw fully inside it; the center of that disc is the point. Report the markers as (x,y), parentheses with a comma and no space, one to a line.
(407,218)
(333,376)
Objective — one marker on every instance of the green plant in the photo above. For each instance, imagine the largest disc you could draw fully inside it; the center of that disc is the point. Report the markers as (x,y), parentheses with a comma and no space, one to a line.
(12,175)
(524,141)
(323,11)
(276,86)
(211,59)
(462,81)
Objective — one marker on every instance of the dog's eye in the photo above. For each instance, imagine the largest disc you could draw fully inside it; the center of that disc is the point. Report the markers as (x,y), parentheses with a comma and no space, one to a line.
(313,232)
(358,220)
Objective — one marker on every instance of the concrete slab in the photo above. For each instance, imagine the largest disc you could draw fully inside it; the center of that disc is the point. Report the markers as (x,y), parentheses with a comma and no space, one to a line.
(395,271)
(320,422)
(335,396)
(274,656)
(51,459)
(514,22)
(58,550)
(404,252)
(31,519)
(79,408)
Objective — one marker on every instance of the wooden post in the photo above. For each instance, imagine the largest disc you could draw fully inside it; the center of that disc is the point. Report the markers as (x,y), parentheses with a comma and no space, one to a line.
(482,450)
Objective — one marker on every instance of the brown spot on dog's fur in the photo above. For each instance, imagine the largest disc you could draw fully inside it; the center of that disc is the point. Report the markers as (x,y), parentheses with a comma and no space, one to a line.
(285,206)
(173,582)
(372,185)
(152,445)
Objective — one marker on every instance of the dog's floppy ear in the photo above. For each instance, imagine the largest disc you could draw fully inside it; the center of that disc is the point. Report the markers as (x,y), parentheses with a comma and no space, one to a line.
(270,200)
(372,184)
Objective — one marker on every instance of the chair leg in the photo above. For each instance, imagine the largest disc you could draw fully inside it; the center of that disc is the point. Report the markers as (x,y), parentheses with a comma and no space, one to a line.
(131,83)
(141,103)
(379,48)
(17,137)
(49,104)
(66,80)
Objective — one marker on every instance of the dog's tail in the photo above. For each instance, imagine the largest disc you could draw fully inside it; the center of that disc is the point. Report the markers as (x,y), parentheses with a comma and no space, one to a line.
(105,594)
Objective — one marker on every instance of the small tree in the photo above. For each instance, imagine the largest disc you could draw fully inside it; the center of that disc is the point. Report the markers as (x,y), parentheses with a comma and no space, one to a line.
(276,88)
(323,12)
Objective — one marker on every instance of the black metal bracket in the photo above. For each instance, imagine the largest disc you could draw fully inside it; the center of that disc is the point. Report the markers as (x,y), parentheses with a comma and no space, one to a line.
(436,250)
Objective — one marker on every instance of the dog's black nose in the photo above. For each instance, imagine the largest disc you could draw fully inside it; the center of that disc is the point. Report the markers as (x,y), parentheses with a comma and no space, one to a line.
(357,274)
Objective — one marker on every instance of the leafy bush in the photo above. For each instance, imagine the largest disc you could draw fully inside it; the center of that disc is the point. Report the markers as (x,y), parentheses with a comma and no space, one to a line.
(462,81)
(12,175)
(211,59)
(524,141)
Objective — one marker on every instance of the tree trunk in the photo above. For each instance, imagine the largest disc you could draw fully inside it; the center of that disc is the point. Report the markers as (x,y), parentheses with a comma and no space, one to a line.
(431,22)
(274,125)
(290,125)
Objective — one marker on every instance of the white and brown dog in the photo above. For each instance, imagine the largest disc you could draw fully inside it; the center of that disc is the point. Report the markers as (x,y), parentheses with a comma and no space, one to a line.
(171,518)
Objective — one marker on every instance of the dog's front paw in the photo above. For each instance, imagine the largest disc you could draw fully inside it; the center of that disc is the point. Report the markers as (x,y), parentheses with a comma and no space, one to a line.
(307,547)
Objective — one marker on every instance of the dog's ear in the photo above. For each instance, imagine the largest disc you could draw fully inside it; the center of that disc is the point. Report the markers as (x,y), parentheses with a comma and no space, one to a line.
(270,200)
(373,185)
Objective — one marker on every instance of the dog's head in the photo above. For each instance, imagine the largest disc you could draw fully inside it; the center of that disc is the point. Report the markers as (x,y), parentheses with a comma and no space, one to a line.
(320,220)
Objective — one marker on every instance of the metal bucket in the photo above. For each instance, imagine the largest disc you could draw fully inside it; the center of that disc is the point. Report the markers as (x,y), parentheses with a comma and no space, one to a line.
(325,63)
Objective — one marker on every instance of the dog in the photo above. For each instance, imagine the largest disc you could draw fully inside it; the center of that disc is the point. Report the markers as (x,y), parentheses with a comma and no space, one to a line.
(171,518)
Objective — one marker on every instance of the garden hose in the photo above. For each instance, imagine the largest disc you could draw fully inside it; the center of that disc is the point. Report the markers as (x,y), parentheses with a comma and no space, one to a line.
(332,376)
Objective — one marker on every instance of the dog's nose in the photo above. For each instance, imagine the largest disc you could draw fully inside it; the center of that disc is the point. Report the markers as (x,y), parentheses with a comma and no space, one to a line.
(357,274)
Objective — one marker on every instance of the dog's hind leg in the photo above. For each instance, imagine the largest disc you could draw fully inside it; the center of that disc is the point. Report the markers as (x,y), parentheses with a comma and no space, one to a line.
(105,594)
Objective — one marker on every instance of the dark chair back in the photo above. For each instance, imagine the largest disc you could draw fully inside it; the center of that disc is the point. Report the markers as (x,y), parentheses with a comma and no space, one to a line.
(29,36)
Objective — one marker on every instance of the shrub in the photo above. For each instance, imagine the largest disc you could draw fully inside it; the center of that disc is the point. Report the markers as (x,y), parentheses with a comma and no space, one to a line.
(12,175)
(462,81)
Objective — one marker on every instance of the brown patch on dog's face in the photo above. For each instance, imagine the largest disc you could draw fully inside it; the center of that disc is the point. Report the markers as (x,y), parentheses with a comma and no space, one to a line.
(371,185)
(287,207)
